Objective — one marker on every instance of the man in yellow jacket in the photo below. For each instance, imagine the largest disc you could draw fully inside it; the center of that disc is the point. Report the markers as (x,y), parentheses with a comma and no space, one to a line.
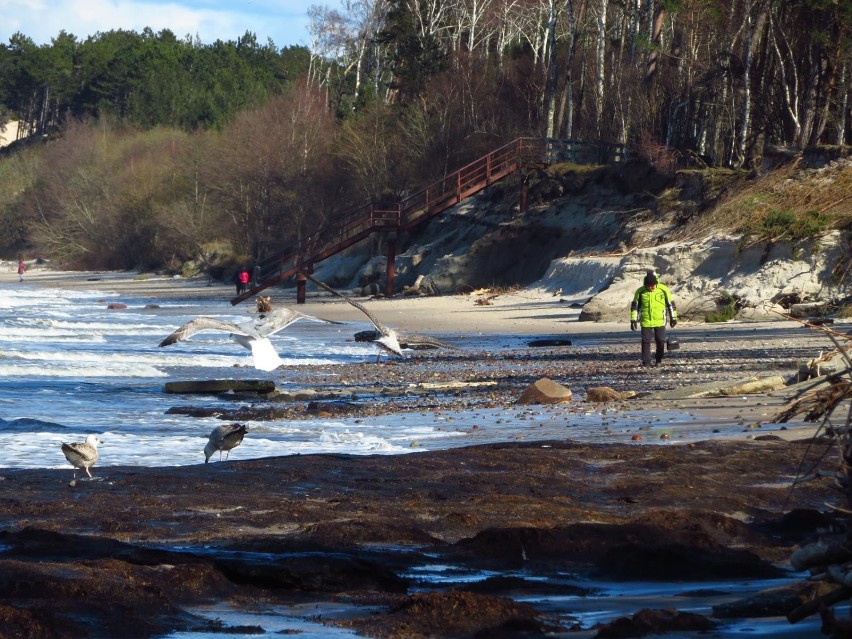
(652,305)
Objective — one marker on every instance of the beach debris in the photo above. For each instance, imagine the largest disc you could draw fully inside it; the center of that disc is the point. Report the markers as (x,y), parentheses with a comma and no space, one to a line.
(224,438)
(760,385)
(828,363)
(253,335)
(829,559)
(217,386)
(606,394)
(422,286)
(82,454)
(540,343)
(545,391)
(817,404)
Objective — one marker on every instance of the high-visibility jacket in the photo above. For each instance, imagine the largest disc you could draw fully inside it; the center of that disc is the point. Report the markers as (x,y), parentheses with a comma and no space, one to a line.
(652,308)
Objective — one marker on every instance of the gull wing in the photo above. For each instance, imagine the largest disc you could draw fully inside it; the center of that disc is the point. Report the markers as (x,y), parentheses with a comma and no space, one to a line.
(384,330)
(280,318)
(228,435)
(203,324)
(78,453)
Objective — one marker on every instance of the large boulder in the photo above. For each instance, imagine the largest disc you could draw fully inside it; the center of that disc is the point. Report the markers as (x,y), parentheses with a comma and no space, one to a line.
(545,391)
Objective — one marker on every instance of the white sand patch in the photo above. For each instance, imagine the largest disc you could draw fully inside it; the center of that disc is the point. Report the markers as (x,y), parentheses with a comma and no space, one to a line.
(8,133)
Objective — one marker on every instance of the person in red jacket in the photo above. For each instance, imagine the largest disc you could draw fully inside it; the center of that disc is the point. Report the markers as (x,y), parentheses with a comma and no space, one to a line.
(243,282)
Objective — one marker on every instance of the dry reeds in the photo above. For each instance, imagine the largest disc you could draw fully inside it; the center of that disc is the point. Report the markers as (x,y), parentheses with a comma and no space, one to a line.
(791,189)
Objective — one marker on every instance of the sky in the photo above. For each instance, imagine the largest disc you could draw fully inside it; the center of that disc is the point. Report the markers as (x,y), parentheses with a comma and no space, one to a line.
(285,21)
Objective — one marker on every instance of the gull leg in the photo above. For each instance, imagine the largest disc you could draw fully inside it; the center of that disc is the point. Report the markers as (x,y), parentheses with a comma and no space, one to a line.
(88,473)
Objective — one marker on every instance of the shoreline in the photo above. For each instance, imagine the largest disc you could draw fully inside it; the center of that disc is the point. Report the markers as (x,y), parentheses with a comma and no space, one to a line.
(523,312)
(709,349)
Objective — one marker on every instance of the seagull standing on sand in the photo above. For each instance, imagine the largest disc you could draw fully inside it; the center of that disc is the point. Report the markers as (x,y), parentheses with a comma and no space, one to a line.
(224,438)
(82,455)
(388,338)
(253,335)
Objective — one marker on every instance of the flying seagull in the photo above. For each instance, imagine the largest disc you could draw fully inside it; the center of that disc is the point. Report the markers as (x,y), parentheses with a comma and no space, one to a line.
(253,335)
(82,454)
(388,338)
(224,438)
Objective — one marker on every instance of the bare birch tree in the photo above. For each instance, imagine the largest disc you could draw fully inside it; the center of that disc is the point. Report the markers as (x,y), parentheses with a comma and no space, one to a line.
(550,65)
(600,65)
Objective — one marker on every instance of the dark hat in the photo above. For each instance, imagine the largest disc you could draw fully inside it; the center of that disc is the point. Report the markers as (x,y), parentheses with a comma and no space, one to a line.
(650,278)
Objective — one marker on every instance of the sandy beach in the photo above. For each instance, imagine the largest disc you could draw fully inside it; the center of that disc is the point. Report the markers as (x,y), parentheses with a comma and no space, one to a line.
(236,532)
(522,312)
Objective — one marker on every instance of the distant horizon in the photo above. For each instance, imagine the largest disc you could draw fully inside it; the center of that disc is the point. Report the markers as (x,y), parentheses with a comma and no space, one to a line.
(285,22)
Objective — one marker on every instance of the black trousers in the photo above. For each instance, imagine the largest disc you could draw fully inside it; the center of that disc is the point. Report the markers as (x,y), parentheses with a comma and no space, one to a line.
(649,336)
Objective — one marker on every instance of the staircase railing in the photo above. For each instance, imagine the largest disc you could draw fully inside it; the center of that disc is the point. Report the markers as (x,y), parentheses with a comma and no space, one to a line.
(426,203)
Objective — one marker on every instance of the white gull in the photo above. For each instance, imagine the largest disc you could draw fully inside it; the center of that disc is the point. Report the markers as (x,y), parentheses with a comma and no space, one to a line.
(253,335)
(388,339)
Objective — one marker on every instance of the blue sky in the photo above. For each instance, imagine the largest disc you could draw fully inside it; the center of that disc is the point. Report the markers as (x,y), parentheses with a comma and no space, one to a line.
(285,21)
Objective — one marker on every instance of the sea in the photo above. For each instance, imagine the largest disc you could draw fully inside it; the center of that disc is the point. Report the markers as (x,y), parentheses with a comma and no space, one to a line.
(71,366)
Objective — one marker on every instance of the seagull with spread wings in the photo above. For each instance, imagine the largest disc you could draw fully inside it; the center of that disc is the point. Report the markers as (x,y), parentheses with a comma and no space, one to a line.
(388,339)
(253,335)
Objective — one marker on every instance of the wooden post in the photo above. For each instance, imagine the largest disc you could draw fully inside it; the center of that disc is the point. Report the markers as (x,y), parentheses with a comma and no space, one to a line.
(390,269)
(301,286)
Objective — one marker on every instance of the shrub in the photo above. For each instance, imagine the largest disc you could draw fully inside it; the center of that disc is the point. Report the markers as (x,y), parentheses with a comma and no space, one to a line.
(785,224)
(728,307)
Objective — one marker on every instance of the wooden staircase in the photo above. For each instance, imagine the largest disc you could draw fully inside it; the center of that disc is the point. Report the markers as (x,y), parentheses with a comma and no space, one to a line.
(421,207)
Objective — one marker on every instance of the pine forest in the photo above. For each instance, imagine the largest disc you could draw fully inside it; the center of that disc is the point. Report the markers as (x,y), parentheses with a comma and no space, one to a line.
(153,150)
